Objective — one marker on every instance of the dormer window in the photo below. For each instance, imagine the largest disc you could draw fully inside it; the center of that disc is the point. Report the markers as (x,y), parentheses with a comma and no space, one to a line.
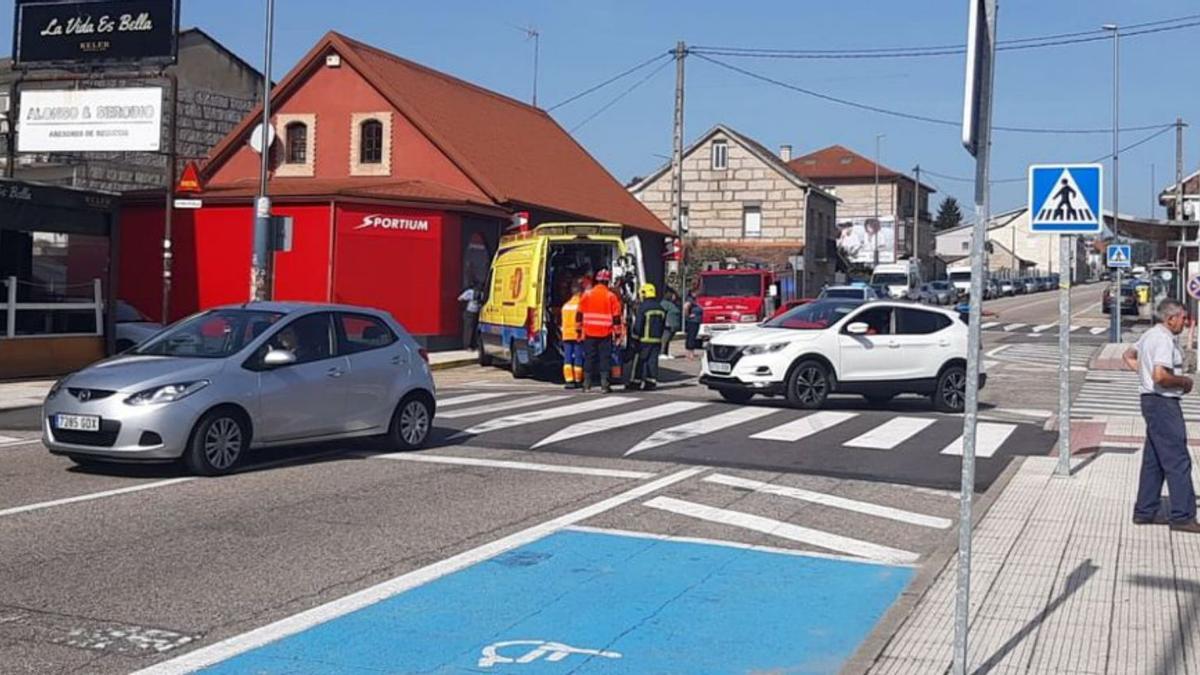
(371,144)
(296,137)
(295,155)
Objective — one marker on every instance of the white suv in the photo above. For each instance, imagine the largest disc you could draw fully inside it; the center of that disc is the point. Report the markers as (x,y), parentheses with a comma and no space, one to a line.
(875,349)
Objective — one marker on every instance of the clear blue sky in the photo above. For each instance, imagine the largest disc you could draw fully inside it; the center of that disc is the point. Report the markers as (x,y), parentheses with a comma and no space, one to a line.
(584,42)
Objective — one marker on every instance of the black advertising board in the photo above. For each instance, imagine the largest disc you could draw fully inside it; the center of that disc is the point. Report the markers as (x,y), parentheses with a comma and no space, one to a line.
(60,33)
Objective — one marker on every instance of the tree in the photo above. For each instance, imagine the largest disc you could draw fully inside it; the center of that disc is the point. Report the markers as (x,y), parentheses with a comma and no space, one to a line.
(949,215)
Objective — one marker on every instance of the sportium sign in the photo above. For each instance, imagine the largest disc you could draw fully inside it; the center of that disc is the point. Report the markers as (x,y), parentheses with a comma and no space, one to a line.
(90,120)
(95,32)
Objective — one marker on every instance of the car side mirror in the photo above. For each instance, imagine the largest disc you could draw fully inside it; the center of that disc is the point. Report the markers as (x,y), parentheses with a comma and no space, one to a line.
(857,328)
(279,357)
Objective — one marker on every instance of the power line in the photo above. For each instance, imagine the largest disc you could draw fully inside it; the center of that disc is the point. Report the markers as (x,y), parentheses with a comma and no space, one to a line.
(620,96)
(907,115)
(1037,42)
(609,81)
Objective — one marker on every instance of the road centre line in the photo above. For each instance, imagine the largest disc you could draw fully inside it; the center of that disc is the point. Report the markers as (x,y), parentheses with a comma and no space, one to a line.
(778,528)
(92,496)
(508,464)
(238,644)
(722,542)
(834,501)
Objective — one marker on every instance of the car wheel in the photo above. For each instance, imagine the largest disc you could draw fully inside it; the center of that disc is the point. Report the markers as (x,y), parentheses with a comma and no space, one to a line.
(411,423)
(736,395)
(519,371)
(878,399)
(808,385)
(951,393)
(218,442)
(484,358)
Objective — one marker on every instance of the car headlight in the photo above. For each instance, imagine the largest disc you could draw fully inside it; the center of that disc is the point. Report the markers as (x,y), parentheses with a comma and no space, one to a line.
(753,350)
(166,393)
(55,388)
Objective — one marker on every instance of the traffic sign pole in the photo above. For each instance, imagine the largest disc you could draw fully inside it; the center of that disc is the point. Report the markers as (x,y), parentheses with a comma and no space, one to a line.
(1065,245)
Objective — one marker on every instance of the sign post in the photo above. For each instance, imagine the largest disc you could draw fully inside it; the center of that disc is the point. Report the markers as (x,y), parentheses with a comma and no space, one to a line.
(1064,200)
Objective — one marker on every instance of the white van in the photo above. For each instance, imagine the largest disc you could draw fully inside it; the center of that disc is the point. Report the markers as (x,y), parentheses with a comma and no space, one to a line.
(960,276)
(901,278)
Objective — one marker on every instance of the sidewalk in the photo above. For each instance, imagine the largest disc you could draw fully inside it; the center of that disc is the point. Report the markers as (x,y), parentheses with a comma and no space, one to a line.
(23,394)
(1062,582)
(452,359)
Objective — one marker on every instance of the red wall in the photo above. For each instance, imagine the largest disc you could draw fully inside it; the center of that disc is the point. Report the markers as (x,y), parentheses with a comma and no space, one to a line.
(304,272)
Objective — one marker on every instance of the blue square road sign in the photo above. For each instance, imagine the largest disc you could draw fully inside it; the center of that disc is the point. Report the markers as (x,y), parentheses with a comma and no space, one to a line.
(1066,198)
(1120,255)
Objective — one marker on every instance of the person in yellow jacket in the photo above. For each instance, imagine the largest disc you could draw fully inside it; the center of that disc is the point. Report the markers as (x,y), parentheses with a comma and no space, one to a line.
(572,338)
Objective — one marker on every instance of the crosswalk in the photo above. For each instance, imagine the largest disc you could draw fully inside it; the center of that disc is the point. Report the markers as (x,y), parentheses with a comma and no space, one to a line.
(1044,329)
(1115,392)
(631,426)
(1040,356)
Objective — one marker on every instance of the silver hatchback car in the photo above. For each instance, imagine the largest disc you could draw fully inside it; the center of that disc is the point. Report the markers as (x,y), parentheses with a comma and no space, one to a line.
(221,382)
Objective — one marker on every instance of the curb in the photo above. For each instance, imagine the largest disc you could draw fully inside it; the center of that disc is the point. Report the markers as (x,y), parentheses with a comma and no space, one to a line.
(889,624)
(447,365)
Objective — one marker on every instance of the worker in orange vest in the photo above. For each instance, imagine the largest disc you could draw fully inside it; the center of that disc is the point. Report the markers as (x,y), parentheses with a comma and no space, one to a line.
(572,338)
(600,310)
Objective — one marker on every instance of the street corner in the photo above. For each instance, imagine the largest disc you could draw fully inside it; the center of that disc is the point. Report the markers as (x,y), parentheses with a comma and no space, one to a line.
(585,600)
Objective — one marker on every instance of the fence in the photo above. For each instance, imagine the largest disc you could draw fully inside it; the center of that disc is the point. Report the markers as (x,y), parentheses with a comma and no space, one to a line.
(46,311)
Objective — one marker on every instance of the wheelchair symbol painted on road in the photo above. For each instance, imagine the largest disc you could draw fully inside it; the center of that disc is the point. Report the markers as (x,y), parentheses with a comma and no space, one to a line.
(551,651)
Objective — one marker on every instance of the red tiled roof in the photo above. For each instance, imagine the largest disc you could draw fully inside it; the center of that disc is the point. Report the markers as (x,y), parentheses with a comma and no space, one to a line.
(516,153)
(837,161)
(378,188)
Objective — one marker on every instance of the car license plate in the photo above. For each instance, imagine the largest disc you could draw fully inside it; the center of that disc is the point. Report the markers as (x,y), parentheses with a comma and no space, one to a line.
(722,368)
(77,422)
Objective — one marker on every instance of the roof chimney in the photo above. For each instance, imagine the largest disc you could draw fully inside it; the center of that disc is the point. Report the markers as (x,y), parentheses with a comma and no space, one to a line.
(785,153)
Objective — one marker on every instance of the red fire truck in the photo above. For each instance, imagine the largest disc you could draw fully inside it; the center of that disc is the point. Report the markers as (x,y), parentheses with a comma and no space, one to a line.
(735,297)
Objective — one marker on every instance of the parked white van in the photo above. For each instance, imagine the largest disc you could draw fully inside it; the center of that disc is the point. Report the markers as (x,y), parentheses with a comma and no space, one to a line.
(901,278)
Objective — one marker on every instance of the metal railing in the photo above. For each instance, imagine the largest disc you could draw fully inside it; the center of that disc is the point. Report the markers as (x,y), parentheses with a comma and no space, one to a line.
(10,307)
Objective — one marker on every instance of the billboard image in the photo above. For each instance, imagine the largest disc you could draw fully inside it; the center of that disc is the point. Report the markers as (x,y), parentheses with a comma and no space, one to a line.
(90,120)
(95,32)
(859,238)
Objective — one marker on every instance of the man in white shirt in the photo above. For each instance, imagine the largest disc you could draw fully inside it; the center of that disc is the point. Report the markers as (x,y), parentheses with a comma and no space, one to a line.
(473,296)
(1158,361)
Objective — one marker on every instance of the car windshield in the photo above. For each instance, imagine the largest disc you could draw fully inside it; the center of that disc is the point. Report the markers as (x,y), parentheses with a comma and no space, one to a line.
(842,293)
(940,285)
(730,285)
(212,335)
(814,316)
(890,279)
(960,276)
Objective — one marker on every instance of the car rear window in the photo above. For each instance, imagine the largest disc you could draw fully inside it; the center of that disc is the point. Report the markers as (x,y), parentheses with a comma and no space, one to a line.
(362,332)
(919,322)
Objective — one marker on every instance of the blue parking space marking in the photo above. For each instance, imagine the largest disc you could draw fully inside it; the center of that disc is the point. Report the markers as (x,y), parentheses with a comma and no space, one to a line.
(590,602)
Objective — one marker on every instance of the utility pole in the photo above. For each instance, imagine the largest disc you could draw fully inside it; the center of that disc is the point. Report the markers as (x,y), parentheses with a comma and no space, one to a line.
(532,33)
(916,238)
(1154,182)
(1115,327)
(677,170)
(260,262)
(878,225)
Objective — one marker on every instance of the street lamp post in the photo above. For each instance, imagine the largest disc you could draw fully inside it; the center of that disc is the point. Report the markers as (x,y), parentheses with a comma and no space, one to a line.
(1115,321)
(878,225)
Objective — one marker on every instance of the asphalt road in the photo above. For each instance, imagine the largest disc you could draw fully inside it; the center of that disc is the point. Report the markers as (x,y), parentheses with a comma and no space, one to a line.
(112,571)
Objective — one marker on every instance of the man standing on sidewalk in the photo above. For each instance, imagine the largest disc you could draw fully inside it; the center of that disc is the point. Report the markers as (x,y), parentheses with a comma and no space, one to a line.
(1157,359)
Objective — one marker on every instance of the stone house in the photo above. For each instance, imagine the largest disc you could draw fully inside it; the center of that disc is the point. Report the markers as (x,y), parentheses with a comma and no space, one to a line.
(738,195)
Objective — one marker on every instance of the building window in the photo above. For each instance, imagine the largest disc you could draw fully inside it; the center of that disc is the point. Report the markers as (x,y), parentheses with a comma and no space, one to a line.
(720,155)
(966,245)
(296,134)
(752,221)
(370,144)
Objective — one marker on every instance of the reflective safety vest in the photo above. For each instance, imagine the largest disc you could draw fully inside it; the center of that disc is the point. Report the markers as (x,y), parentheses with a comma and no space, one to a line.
(570,320)
(651,322)
(601,310)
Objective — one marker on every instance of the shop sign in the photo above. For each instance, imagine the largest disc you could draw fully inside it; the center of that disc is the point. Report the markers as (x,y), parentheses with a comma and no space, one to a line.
(90,120)
(378,221)
(95,32)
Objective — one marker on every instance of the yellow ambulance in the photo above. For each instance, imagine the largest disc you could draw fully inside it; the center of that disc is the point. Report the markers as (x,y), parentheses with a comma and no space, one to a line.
(531,278)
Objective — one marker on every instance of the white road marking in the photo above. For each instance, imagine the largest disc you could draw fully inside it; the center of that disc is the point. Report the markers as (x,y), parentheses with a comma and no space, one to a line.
(707,425)
(1045,326)
(468,398)
(6,441)
(805,426)
(997,350)
(589,406)
(238,644)
(1088,310)
(824,499)
(507,464)
(778,528)
(1025,412)
(990,324)
(1074,328)
(618,421)
(92,496)
(890,434)
(989,436)
(1097,331)
(497,407)
(1014,326)
(723,542)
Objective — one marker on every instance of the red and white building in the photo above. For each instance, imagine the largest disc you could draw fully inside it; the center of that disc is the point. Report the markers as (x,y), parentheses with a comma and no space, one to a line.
(399,180)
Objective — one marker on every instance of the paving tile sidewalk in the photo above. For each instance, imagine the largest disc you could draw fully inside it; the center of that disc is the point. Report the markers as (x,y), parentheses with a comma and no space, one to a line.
(23,394)
(1063,582)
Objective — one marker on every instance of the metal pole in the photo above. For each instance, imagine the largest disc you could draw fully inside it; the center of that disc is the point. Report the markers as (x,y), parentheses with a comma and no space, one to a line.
(536,45)
(917,219)
(1153,182)
(962,597)
(1065,247)
(878,225)
(169,205)
(10,138)
(260,262)
(1115,322)
(677,170)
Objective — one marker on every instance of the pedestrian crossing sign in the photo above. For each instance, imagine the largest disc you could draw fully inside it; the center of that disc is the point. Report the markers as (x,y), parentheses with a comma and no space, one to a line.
(1120,255)
(1066,198)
